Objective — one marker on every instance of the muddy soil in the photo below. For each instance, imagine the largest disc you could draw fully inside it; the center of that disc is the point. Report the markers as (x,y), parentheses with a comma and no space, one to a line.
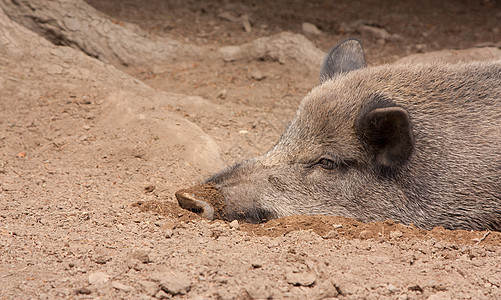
(91,155)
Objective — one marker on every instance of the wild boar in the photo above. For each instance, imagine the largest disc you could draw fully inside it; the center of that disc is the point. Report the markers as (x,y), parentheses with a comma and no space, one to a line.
(418,144)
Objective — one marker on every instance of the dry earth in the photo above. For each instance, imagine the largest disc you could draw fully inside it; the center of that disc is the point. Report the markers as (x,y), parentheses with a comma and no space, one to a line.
(91,155)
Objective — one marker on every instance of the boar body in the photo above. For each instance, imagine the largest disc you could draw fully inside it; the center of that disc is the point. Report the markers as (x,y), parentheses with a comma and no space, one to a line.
(418,144)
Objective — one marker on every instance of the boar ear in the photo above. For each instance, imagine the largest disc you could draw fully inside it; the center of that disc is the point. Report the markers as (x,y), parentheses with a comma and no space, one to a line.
(387,131)
(343,58)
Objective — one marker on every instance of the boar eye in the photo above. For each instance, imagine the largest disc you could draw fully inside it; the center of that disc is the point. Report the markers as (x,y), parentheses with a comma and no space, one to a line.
(326,163)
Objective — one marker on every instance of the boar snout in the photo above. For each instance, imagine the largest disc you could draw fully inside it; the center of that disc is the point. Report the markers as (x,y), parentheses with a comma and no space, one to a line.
(210,200)
(189,202)
(204,199)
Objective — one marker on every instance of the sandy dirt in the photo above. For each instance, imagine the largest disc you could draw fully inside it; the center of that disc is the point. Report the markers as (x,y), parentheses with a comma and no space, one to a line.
(91,155)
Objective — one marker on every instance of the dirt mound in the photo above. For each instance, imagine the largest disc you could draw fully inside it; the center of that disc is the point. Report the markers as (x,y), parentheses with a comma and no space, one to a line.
(340,227)
(332,227)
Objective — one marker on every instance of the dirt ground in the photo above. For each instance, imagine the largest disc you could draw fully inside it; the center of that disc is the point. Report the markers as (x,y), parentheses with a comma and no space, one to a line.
(91,155)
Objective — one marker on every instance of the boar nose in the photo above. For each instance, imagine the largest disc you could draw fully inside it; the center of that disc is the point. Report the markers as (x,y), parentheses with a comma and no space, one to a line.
(189,202)
(204,199)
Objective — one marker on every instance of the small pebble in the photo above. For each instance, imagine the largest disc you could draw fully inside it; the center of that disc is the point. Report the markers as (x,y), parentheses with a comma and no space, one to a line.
(257,75)
(301,279)
(365,234)
(141,255)
(168,233)
(84,291)
(310,28)
(396,234)
(101,259)
(222,94)
(257,264)
(393,289)
(149,188)
(119,286)
(234,225)
(330,235)
(273,244)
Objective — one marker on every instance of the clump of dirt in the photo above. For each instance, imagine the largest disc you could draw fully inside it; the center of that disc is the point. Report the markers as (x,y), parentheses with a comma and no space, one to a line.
(200,198)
